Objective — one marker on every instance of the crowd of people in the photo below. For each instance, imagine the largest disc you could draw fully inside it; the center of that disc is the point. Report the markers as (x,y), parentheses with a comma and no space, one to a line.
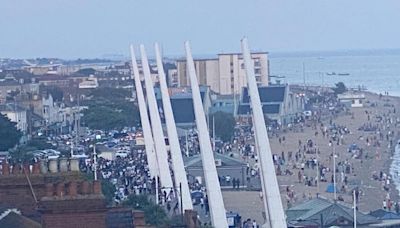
(310,161)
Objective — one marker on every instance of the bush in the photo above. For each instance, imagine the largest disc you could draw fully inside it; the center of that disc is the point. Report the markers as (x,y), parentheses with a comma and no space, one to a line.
(154,214)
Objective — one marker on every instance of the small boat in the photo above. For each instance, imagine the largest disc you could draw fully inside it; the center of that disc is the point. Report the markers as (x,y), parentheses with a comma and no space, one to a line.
(330,74)
(343,74)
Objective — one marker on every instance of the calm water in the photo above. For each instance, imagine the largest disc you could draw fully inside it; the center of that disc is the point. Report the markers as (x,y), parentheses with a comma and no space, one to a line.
(377,72)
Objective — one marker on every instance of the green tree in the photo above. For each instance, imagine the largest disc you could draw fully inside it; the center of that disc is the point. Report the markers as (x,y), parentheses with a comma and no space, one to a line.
(9,134)
(55,92)
(153,214)
(340,88)
(86,71)
(224,125)
(22,154)
(108,190)
(109,109)
(39,143)
(110,94)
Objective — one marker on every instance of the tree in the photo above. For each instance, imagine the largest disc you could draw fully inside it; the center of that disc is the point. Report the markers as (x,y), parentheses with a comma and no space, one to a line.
(153,214)
(55,92)
(86,71)
(224,125)
(108,117)
(108,190)
(340,88)
(22,154)
(39,143)
(9,134)
(109,109)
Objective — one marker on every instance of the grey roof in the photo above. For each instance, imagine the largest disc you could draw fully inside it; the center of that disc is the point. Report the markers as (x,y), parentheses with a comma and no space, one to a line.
(383,214)
(182,105)
(267,94)
(244,109)
(17,220)
(311,211)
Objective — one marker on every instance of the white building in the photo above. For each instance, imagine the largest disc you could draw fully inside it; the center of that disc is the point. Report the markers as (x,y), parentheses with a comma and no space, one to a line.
(352,100)
(16,114)
(173,80)
(225,74)
(89,83)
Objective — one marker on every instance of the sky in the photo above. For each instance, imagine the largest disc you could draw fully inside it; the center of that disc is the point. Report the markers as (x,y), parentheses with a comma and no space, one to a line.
(92,28)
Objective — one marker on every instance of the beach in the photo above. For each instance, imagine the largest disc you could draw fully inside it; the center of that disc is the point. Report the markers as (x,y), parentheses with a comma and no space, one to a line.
(367,172)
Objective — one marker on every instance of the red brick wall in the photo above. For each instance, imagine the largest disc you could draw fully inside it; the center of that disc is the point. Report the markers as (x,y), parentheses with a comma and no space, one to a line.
(74,220)
(15,190)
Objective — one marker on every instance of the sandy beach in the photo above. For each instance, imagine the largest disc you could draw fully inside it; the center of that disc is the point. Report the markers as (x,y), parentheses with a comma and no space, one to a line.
(369,173)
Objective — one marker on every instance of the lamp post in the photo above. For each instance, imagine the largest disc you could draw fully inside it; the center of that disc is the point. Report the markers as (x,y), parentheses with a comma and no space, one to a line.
(334,174)
(354,209)
(97,137)
(331,144)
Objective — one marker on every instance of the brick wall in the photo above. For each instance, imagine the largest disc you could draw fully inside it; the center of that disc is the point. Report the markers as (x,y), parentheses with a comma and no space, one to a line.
(74,220)
(15,190)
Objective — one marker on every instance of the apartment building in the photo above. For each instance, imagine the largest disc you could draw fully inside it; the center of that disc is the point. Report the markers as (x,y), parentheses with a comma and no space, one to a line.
(226,73)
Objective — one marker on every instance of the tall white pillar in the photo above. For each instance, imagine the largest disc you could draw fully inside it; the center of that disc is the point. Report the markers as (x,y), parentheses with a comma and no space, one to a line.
(159,140)
(270,187)
(144,118)
(175,149)
(216,203)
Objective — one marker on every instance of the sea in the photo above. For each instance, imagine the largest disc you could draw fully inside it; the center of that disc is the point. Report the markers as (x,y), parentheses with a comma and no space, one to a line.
(375,70)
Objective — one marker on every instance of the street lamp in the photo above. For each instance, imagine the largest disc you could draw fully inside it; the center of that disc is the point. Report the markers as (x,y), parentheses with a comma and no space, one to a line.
(97,137)
(334,169)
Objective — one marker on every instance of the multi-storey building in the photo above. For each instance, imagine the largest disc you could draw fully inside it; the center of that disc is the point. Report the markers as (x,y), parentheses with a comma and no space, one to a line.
(226,73)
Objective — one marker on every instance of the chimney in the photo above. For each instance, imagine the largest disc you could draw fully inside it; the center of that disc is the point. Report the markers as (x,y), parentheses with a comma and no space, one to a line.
(49,189)
(85,188)
(74,164)
(53,165)
(27,168)
(63,165)
(36,168)
(97,187)
(5,169)
(72,189)
(15,169)
(60,191)
(43,167)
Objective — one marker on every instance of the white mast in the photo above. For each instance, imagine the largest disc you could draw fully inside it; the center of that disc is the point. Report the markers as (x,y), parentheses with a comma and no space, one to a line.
(176,153)
(354,209)
(144,118)
(159,141)
(217,208)
(271,194)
